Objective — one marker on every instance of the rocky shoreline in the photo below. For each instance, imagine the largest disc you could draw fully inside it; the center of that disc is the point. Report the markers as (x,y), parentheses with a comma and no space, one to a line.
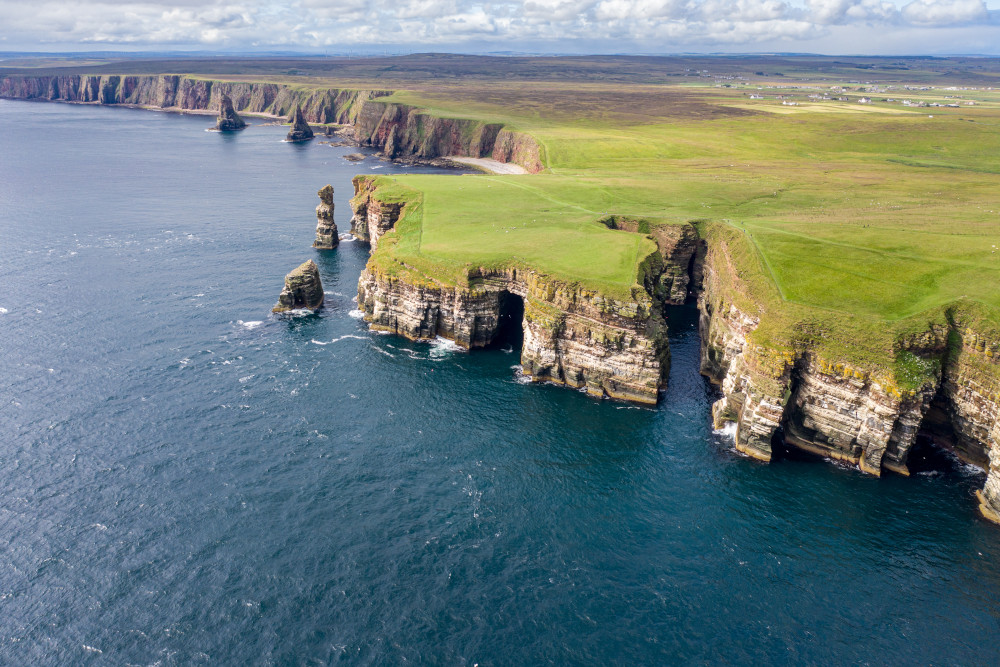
(796,395)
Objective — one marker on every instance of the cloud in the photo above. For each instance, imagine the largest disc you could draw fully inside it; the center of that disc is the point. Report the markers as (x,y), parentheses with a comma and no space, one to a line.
(485,25)
(944,12)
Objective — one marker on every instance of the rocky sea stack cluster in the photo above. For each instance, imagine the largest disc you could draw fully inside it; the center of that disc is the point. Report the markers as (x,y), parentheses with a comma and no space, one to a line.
(300,128)
(303,289)
(229,120)
(327,237)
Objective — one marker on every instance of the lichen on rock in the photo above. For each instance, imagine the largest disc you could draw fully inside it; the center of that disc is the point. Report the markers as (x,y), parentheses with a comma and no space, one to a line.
(303,289)
(327,236)
(229,120)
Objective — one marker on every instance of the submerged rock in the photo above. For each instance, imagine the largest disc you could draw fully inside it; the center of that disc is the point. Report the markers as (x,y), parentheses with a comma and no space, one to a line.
(300,128)
(327,236)
(354,157)
(229,120)
(303,289)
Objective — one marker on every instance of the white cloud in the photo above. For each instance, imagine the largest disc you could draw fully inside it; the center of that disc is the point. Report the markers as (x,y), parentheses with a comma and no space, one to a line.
(944,12)
(552,25)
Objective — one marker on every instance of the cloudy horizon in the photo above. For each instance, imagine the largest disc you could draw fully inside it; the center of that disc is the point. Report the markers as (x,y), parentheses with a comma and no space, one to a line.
(873,27)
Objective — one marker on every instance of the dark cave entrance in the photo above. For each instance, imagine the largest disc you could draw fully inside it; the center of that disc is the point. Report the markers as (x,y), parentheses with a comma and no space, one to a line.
(510,323)
(936,444)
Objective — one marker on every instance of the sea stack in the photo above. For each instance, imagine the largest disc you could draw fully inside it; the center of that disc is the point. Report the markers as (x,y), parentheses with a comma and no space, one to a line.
(327,237)
(300,128)
(303,289)
(229,120)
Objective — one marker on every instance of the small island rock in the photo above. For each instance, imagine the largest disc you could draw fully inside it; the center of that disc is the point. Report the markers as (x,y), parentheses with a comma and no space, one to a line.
(303,289)
(327,236)
(300,128)
(229,120)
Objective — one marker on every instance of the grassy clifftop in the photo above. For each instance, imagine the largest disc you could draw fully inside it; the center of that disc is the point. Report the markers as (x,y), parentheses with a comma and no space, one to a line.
(857,198)
(853,226)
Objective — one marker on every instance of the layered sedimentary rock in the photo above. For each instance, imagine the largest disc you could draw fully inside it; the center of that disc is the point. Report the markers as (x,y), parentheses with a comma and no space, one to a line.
(303,289)
(300,130)
(572,336)
(371,217)
(326,229)
(228,120)
(176,92)
(836,409)
(401,131)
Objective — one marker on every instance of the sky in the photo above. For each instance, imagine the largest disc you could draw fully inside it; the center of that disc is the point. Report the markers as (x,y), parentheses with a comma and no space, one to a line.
(870,27)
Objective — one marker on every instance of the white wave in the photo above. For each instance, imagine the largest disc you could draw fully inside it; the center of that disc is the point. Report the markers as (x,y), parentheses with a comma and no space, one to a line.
(378,349)
(338,339)
(298,312)
(253,324)
(246,378)
(347,238)
(3,311)
(377,167)
(519,375)
(728,431)
(442,347)
(356,314)
(91,649)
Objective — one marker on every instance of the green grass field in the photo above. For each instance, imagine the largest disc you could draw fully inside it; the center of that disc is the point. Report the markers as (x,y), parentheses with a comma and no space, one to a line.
(864,222)
(848,224)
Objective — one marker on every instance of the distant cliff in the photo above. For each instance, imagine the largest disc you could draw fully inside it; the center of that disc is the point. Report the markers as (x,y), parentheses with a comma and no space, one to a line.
(398,130)
(403,131)
(188,93)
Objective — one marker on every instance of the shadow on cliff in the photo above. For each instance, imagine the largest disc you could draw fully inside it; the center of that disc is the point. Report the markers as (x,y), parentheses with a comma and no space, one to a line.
(510,325)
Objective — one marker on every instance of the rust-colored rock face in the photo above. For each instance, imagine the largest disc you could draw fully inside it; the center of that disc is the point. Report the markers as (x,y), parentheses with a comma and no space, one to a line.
(372,218)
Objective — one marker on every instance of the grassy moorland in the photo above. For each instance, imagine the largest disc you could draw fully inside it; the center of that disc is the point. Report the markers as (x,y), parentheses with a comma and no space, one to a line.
(851,224)
(857,198)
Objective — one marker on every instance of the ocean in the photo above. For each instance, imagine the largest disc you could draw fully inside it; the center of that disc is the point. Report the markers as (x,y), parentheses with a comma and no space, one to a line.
(187,479)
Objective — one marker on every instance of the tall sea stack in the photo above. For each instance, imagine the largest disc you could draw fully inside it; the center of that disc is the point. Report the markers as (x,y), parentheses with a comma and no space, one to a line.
(229,120)
(327,237)
(300,128)
(303,289)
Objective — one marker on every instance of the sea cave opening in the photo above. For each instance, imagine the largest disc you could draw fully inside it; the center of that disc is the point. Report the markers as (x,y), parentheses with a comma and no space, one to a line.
(510,323)
(936,445)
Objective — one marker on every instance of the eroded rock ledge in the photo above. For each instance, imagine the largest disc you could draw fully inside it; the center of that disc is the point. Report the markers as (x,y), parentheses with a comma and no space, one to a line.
(571,336)
(867,417)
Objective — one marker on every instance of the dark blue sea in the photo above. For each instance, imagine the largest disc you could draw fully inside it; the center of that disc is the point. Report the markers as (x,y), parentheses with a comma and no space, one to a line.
(187,479)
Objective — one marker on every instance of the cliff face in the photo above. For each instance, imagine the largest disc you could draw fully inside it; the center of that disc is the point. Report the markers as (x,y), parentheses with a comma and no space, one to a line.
(401,131)
(846,413)
(172,91)
(398,130)
(571,335)
(671,280)
(371,218)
